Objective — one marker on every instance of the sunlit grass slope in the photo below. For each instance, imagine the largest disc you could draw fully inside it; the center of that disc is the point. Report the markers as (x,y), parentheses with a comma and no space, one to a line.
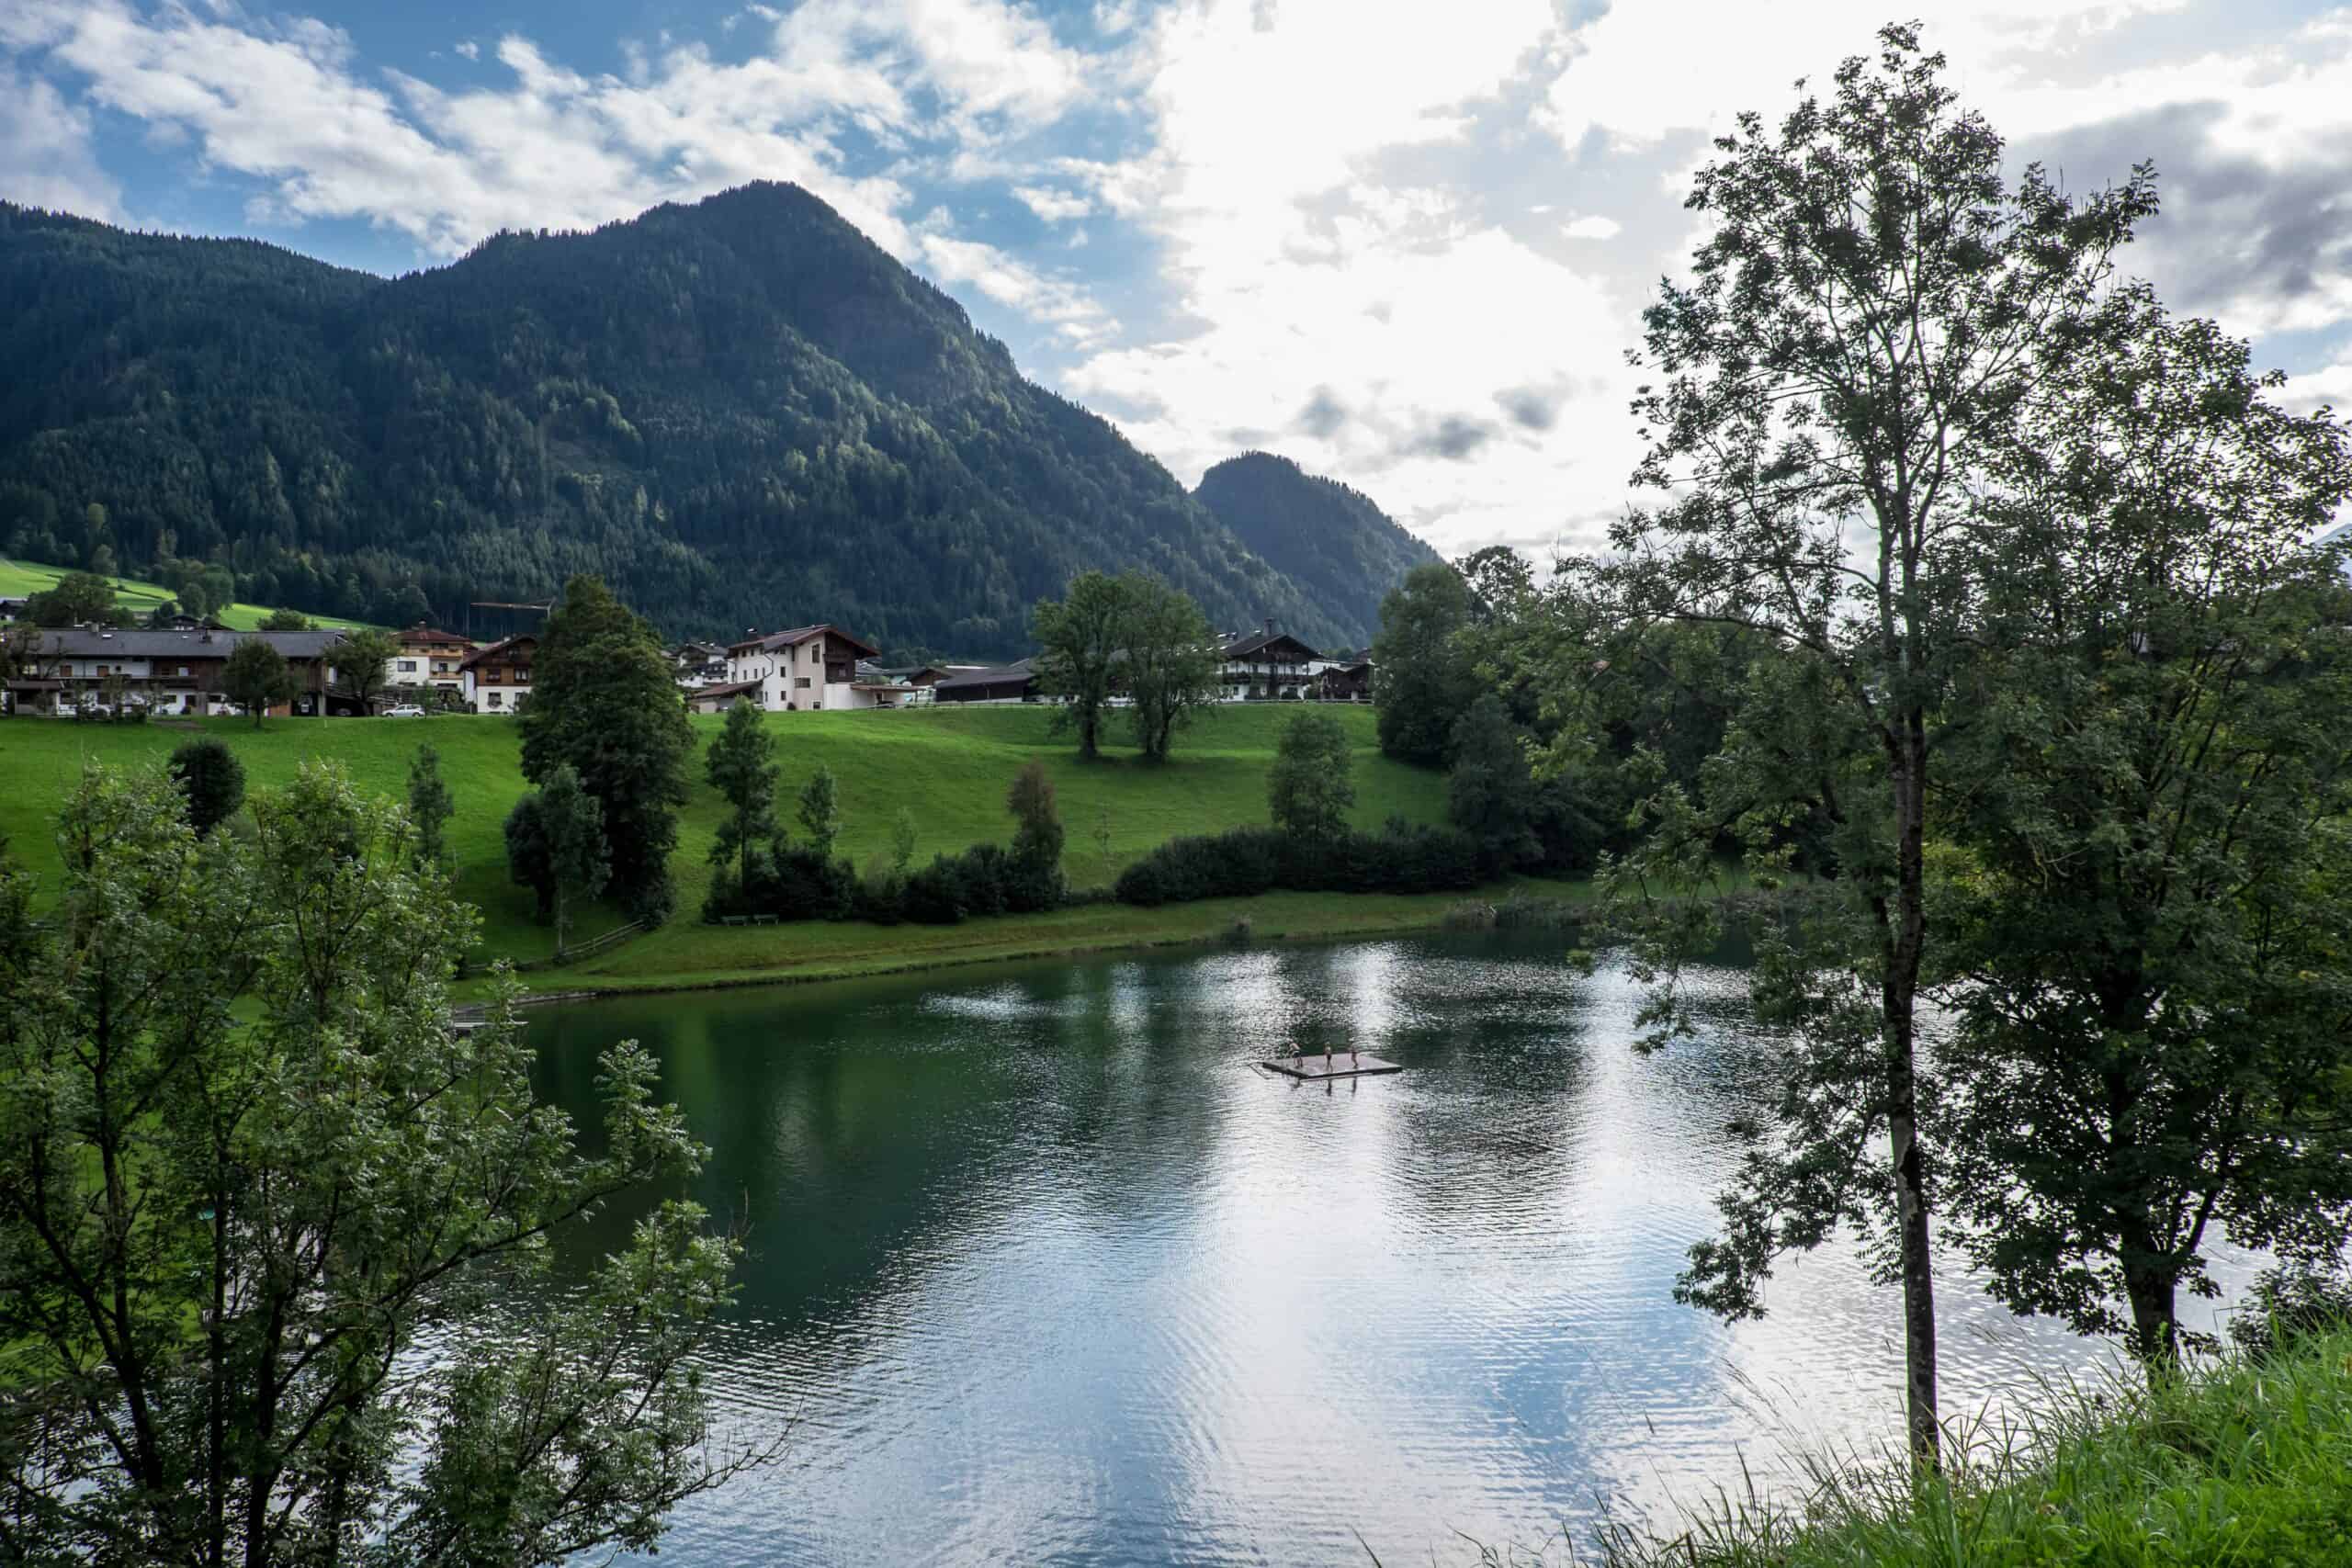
(948,767)
(19,579)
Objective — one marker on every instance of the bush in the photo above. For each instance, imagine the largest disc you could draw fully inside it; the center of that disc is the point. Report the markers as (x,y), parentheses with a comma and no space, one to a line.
(213,780)
(1403,857)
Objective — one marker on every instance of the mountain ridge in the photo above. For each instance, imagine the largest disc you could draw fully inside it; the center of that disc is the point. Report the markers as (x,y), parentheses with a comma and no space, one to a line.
(1330,538)
(738,410)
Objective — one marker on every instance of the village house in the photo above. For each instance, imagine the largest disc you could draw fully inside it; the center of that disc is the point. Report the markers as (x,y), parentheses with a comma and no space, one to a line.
(806,668)
(428,657)
(698,664)
(987,684)
(1345,681)
(1267,664)
(498,678)
(175,673)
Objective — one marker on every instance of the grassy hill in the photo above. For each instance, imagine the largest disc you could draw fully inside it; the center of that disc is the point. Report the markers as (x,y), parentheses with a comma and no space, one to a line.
(21,579)
(949,766)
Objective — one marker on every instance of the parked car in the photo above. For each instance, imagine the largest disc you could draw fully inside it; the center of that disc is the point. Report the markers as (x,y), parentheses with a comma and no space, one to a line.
(404,710)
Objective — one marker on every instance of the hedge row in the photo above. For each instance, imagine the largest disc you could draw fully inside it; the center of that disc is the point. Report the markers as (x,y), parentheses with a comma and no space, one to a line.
(794,883)
(1401,858)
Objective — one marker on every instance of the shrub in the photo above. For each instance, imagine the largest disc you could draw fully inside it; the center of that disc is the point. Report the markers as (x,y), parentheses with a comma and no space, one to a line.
(213,780)
(1402,857)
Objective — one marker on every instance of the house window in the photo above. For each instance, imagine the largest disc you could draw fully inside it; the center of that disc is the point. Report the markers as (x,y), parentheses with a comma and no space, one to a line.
(183,669)
(408,666)
(492,700)
(801,681)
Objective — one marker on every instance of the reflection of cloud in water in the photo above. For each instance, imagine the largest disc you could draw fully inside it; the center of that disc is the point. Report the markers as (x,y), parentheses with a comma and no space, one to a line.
(1087,1288)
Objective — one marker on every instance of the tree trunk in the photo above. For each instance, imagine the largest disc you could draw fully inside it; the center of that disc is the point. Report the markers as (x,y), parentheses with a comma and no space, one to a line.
(1899,995)
(2149,1285)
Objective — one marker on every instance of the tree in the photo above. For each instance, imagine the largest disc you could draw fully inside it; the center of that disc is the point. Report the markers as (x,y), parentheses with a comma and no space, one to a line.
(1173,662)
(821,811)
(741,765)
(1308,791)
(1079,640)
(2152,868)
(251,1321)
(578,860)
(1423,679)
(902,840)
(1870,312)
(430,806)
(362,657)
(529,863)
(1035,881)
(78,598)
(279,620)
(602,701)
(212,780)
(1491,793)
(256,677)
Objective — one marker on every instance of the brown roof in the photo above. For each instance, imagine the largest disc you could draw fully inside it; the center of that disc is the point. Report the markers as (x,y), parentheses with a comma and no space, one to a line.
(796,635)
(423,633)
(497,648)
(704,694)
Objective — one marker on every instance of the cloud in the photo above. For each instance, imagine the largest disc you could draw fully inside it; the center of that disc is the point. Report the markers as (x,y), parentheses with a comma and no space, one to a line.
(46,159)
(1592,227)
(470,50)
(286,103)
(1323,414)
(1529,407)
(1451,438)
(1052,206)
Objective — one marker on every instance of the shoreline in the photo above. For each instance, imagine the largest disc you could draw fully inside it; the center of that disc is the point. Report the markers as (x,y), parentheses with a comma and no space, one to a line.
(1266,918)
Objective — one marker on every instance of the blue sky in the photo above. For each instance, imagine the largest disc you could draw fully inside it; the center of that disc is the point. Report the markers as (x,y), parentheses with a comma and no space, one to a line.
(1404,242)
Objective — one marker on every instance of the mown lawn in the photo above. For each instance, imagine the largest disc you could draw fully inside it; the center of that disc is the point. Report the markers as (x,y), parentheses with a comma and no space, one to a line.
(19,579)
(949,767)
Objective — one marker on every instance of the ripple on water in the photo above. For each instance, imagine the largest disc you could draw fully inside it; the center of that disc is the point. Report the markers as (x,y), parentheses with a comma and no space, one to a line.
(1044,1271)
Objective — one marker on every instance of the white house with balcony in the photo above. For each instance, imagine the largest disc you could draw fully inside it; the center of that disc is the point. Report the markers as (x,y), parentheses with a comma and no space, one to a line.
(807,668)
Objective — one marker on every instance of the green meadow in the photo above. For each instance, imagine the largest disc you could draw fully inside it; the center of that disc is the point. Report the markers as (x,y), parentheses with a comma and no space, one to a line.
(21,579)
(948,767)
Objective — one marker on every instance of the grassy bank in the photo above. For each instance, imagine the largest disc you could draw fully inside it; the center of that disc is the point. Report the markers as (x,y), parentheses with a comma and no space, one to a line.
(949,767)
(19,579)
(2245,1463)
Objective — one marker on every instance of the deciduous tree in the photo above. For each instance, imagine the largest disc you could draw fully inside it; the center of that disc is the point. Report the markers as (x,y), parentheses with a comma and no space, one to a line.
(1079,640)
(579,860)
(256,678)
(741,765)
(821,811)
(1173,662)
(602,700)
(273,1238)
(1421,674)
(1872,306)
(430,806)
(1308,789)
(361,658)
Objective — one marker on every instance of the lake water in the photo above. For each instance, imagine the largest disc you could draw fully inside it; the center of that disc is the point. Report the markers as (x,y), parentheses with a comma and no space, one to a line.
(1044,1270)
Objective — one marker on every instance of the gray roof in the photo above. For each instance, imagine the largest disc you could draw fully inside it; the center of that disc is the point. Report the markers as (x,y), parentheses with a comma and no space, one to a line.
(1003,675)
(89,642)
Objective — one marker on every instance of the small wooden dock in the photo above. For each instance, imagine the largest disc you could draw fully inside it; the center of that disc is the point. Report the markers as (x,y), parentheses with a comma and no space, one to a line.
(1317,1067)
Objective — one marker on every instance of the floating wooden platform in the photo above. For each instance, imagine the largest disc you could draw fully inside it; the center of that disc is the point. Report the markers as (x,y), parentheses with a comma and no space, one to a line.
(1342,1065)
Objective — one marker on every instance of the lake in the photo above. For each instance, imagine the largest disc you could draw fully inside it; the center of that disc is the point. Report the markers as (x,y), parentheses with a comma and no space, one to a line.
(1044,1270)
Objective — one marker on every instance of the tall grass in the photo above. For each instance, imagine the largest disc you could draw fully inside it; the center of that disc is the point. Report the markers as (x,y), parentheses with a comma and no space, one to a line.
(2242,1461)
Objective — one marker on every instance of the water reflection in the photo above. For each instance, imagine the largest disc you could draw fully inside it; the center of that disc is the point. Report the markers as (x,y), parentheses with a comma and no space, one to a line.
(1044,1270)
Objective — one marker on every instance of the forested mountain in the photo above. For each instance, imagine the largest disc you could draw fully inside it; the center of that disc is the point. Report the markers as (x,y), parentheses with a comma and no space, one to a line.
(741,412)
(1340,550)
